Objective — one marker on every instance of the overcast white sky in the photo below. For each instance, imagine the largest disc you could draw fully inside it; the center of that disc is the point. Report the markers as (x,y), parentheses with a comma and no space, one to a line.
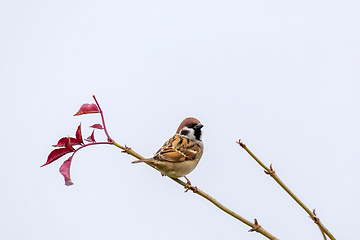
(283,77)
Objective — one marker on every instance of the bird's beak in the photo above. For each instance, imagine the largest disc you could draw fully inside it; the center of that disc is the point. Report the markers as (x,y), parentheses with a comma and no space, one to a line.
(198,126)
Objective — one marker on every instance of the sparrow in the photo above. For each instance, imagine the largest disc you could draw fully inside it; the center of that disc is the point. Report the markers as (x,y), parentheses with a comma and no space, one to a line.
(181,153)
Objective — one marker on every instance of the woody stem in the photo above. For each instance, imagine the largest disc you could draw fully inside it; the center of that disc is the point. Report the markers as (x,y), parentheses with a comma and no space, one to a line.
(292,195)
(254,226)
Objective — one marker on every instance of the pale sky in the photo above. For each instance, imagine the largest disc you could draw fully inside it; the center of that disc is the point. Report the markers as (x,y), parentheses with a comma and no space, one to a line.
(283,77)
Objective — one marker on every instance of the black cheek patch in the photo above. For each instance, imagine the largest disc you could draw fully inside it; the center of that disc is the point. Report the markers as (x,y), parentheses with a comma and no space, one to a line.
(197,134)
(184,132)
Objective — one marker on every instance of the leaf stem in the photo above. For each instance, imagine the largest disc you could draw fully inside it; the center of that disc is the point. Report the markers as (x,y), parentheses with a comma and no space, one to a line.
(90,144)
(103,120)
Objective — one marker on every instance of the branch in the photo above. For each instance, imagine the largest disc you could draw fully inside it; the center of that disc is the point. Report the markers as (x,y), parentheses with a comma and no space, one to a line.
(270,171)
(254,226)
(65,146)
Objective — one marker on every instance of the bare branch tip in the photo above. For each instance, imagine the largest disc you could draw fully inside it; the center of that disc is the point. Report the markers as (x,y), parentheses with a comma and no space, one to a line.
(241,143)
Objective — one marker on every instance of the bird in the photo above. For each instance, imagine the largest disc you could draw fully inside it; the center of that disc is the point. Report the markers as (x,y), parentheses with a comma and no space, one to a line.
(181,153)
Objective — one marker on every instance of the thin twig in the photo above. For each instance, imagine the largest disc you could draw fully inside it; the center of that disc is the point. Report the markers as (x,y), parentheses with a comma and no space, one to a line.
(103,120)
(272,173)
(254,226)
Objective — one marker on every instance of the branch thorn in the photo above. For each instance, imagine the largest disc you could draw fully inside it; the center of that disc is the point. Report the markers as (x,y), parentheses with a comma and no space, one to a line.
(315,218)
(271,172)
(126,150)
(257,226)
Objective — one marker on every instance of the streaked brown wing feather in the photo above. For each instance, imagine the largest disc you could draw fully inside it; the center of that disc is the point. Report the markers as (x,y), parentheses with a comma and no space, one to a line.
(177,149)
(171,155)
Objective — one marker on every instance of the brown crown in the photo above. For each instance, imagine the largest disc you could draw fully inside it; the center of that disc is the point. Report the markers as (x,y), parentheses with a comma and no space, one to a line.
(186,121)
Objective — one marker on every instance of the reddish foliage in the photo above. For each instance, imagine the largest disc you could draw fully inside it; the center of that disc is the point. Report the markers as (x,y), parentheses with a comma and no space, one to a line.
(87,108)
(65,140)
(97,126)
(91,138)
(65,171)
(79,135)
(66,144)
(56,154)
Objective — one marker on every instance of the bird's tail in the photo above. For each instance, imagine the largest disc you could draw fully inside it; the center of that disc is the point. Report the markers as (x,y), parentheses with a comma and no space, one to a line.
(141,160)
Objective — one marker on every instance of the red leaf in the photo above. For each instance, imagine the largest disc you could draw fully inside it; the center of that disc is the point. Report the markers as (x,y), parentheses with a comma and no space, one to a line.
(65,171)
(79,135)
(87,108)
(91,138)
(97,126)
(56,154)
(65,140)
(68,145)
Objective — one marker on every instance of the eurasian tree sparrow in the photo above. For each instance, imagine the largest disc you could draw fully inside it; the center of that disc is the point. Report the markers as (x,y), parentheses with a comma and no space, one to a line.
(181,153)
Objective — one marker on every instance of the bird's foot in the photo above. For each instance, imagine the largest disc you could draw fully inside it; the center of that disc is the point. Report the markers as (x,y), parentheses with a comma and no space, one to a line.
(188,186)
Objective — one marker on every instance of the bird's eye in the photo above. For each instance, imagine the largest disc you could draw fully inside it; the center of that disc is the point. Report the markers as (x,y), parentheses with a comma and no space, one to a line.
(191,125)
(184,132)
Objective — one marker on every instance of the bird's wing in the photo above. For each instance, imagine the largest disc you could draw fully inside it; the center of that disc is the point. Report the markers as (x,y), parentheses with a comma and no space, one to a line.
(178,149)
